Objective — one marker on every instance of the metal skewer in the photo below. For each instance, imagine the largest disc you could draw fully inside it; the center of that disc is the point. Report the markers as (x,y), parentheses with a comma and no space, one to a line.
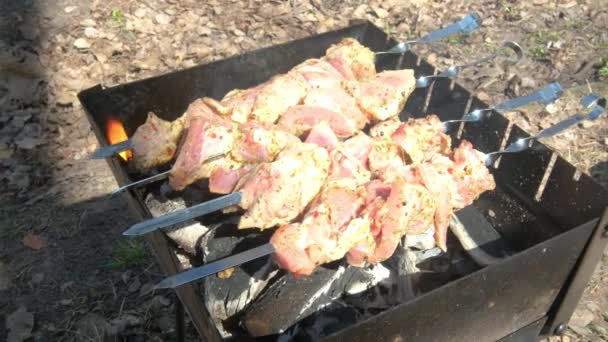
(215,267)
(110,150)
(544,96)
(155,178)
(594,102)
(453,71)
(185,214)
(466,25)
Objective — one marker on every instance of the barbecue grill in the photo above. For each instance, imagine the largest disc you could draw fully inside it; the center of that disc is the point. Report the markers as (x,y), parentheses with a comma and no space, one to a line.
(551,218)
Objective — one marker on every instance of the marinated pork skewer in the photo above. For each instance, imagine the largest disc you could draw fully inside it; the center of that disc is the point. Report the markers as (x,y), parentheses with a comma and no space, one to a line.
(378,164)
(417,139)
(544,96)
(466,25)
(595,102)
(336,59)
(302,247)
(347,60)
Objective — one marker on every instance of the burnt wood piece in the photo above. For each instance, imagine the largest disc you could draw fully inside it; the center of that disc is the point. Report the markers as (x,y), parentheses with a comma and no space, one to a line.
(227,293)
(291,299)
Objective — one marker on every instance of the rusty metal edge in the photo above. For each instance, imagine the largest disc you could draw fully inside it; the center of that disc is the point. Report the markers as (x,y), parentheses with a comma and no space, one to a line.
(167,260)
(573,290)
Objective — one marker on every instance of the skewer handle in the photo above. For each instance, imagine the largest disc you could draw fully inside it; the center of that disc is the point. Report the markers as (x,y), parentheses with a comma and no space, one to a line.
(455,70)
(466,25)
(593,101)
(544,96)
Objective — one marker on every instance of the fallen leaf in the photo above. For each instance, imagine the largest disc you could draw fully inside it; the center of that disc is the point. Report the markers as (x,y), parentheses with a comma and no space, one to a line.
(70,9)
(28,143)
(140,12)
(5,277)
(88,23)
(135,285)
(380,12)
(82,43)
(93,327)
(6,152)
(34,241)
(162,18)
(19,325)
(483,96)
(91,32)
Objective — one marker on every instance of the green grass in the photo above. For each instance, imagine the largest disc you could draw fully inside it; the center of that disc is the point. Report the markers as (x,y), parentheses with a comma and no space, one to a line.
(458,39)
(603,69)
(128,253)
(545,37)
(540,40)
(539,52)
(117,16)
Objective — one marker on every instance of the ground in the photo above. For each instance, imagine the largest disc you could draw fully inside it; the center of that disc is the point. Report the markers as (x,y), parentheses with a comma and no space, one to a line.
(65,272)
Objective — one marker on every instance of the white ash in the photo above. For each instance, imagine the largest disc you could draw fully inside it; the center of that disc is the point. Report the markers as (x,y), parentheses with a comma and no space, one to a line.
(187,235)
(368,278)
(257,283)
(324,290)
(422,241)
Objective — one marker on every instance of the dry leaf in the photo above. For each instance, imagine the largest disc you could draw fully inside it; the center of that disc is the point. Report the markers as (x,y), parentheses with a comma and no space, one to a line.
(5,278)
(82,43)
(34,241)
(19,325)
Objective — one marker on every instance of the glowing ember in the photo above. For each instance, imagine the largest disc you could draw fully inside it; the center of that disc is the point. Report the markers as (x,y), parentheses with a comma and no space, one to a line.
(115,132)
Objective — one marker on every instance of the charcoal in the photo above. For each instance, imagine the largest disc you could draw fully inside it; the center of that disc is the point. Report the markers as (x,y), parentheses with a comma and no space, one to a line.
(324,322)
(290,299)
(228,293)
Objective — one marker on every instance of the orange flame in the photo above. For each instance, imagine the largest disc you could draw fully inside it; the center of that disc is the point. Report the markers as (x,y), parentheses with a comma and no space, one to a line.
(115,132)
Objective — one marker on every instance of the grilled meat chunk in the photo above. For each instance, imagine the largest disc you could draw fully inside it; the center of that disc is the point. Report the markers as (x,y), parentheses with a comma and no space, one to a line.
(472,176)
(337,100)
(409,209)
(256,142)
(155,142)
(319,74)
(322,135)
(421,138)
(276,193)
(385,128)
(326,233)
(383,95)
(300,119)
(353,60)
(208,135)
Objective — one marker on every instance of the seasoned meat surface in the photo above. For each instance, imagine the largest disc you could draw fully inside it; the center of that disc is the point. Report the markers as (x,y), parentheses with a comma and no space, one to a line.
(208,135)
(353,60)
(277,192)
(384,94)
(300,119)
(155,142)
(420,139)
